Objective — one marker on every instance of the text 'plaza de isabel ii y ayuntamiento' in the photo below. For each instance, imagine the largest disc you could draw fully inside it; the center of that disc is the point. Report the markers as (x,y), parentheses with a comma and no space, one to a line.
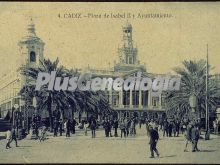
(123,102)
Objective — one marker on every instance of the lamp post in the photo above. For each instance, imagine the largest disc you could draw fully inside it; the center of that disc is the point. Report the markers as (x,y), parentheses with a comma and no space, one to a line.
(207,132)
(16,117)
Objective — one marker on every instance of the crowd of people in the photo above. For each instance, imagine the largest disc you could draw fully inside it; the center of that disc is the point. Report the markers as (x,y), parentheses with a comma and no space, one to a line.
(114,127)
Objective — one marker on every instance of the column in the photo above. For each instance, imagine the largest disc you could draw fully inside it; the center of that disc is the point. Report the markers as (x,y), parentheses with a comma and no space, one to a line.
(120,98)
(118,115)
(110,97)
(149,98)
(160,101)
(140,99)
(131,99)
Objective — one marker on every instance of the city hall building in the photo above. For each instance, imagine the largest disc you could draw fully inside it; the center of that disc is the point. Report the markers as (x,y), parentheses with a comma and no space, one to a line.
(124,103)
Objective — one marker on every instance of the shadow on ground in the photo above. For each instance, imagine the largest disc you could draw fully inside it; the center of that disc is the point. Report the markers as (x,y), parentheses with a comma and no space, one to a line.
(208,150)
(2,137)
(168,156)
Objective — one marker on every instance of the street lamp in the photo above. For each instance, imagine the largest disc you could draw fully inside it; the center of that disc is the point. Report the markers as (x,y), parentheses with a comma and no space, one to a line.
(207,132)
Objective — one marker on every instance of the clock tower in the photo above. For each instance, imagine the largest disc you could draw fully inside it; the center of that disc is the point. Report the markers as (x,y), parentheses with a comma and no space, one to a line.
(127,52)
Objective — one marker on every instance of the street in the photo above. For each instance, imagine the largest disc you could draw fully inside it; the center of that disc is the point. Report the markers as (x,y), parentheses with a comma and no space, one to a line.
(83,149)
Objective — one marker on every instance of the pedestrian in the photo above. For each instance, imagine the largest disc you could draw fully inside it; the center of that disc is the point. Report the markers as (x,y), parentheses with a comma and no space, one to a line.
(132,132)
(115,126)
(106,126)
(174,129)
(61,126)
(122,128)
(35,125)
(56,126)
(177,127)
(187,136)
(8,138)
(147,128)
(93,127)
(73,126)
(156,126)
(184,127)
(154,137)
(127,124)
(195,138)
(135,122)
(140,122)
(215,126)
(13,136)
(165,128)
(161,123)
(152,123)
(67,127)
(86,125)
(170,128)
(110,128)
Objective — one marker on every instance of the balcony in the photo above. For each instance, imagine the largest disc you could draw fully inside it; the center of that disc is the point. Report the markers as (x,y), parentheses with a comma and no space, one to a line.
(138,107)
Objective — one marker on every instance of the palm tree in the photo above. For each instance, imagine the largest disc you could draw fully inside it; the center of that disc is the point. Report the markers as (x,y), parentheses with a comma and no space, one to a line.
(193,76)
(87,101)
(45,97)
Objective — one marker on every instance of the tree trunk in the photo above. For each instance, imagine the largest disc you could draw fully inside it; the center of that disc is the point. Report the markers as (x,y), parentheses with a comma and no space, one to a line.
(79,117)
(87,116)
(50,112)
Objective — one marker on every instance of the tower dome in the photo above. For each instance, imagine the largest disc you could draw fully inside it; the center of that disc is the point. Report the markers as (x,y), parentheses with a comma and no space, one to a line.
(30,35)
(31,29)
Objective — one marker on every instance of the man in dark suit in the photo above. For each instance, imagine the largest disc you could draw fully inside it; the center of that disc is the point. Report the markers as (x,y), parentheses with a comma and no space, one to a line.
(165,128)
(195,138)
(115,126)
(93,127)
(107,127)
(13,136)
(154,136)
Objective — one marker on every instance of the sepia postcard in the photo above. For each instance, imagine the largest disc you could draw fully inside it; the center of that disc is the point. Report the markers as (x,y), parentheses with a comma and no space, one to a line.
(110,82)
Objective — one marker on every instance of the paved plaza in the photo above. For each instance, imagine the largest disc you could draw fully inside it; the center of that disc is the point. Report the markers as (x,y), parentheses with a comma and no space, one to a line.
(83,149)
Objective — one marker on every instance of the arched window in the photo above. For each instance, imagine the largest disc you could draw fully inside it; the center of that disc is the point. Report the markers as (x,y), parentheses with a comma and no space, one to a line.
(32,56)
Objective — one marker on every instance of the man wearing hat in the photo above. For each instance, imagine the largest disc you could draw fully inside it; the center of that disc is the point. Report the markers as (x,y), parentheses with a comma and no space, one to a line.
(154,136)
(195,138)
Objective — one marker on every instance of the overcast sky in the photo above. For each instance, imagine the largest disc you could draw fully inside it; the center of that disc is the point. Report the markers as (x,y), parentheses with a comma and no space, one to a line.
(162,42)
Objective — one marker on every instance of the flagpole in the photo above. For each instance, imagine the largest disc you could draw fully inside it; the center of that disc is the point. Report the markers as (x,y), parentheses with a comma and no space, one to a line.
(207,134)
